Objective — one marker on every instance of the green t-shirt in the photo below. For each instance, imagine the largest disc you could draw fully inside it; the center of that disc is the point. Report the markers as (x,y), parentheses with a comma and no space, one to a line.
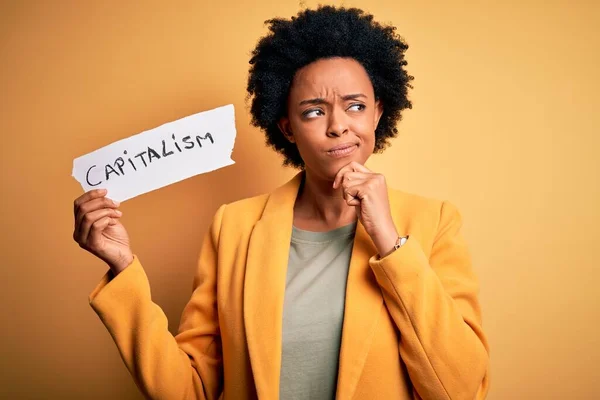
(313,312)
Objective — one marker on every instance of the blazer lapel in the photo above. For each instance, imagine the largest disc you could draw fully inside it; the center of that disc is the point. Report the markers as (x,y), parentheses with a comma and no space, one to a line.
(364,301)
(264,287)
(361,313)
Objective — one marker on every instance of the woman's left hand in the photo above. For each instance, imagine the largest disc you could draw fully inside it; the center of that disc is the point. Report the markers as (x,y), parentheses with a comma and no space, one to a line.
(367,191)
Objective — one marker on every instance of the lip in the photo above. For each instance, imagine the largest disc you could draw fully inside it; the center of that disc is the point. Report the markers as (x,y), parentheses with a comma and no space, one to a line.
(342,146)
(342,150)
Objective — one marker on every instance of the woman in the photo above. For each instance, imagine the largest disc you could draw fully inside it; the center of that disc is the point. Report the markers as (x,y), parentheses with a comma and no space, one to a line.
(331,286)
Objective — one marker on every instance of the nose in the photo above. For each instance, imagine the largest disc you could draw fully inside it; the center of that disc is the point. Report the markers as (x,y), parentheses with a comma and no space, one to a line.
(338,125)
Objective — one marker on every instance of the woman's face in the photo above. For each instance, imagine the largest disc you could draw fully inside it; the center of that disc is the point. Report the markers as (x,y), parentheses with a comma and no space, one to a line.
(332,105)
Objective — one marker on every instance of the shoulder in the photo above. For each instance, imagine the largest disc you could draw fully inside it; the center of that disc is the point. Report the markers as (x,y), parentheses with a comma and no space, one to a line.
(413,201)
(429,213)
(244,211)
(237,218)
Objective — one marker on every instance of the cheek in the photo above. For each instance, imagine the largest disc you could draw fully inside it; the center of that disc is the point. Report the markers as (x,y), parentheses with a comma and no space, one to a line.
(309,129)
(307,135)
(365,128)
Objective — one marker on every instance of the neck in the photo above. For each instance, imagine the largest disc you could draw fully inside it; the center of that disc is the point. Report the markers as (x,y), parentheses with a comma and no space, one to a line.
(317,201)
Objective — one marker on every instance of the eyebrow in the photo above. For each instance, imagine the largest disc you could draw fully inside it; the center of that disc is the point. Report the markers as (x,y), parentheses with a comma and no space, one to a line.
(320,100)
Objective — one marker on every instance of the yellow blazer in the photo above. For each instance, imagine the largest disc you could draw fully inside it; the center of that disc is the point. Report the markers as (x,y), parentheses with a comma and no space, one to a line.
(412,322)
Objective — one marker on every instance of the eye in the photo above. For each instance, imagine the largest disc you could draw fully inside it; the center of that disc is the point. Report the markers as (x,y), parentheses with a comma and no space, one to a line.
(312,113)
(357,107)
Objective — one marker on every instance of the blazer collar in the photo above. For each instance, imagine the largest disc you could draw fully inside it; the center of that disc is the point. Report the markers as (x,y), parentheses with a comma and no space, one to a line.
(264,292)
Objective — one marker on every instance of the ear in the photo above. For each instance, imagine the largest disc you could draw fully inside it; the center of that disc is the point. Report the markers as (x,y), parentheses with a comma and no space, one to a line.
(378,112)
(285,128)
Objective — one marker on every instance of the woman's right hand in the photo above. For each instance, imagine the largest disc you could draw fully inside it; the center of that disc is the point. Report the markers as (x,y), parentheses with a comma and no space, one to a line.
(99,231)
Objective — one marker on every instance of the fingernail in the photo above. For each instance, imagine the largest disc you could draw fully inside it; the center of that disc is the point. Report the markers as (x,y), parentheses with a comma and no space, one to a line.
(116,203)
(119,213)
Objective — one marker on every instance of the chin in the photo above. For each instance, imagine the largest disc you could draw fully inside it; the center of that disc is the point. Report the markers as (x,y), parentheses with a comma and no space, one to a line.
(329,167)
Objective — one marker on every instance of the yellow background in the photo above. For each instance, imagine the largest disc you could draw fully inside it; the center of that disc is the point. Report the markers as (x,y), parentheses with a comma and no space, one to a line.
(504,125)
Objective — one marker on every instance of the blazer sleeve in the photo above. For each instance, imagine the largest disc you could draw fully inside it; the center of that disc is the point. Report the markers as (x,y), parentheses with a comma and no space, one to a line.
(163,366)
(433,302)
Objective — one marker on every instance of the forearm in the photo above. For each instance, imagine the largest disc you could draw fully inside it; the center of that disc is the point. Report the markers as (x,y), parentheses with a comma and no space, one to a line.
(442,346)
(159,366)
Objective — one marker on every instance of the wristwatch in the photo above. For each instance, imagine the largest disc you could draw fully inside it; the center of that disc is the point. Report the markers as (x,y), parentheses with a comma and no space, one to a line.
(399,243)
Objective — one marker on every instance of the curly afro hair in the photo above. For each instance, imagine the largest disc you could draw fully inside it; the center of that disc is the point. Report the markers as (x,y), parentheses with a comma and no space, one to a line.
(326,32)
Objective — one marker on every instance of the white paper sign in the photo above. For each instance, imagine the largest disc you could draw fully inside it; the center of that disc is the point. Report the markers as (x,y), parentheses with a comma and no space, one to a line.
(161,156)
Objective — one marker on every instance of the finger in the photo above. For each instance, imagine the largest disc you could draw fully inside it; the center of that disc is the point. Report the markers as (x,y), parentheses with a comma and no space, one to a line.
(350,177)
(358,190)
(353,202)
(358,167)
(348,197)
(352,167)
(91,206)
(352,186)
(92,194)
(96,204)
(352,192)
(340,176)
(96,231)
(343,173)
(351,196)
(91,218)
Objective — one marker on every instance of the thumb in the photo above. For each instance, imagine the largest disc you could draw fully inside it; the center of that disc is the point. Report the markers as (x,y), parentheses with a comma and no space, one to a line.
(357,210)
